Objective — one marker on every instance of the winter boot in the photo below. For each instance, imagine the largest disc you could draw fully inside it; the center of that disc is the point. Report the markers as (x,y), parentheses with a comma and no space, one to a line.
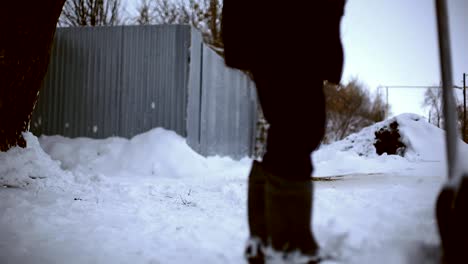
(288,206)
(452,218)
(256,215)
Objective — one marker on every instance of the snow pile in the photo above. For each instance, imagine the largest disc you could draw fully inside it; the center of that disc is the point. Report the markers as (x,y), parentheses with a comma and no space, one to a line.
(414,130)
(30,167)
(425,143)
(158,152)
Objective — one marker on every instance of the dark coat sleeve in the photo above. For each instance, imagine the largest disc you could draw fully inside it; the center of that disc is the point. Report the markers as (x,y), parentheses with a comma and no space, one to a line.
(333,54)
(258,32)
(237,30)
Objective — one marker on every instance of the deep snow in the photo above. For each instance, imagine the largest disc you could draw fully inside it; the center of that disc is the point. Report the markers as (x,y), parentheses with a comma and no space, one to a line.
(152,199)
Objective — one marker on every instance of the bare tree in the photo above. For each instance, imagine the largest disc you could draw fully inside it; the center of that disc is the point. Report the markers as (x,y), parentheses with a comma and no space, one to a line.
(350,108)
(378,110)
(205,15)
(90,13)
(214,18)
(433,101)
(170,12)
(27,30)
(144,13)
(464,134)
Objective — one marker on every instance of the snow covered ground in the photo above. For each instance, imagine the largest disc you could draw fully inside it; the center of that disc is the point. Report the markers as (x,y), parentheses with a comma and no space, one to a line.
(152,199)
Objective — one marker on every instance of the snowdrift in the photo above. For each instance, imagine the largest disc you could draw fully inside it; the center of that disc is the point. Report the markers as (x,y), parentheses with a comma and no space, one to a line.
(425,143)
(30,167)
(163,153)
(158,152)
(55,160)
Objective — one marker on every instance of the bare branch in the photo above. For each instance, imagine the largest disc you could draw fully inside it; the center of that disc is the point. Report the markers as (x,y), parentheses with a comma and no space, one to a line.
(90,13)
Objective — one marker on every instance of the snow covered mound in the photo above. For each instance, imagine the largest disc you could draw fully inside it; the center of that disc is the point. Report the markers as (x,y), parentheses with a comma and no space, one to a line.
(158,152)
(30,167)
(356,153)
(423,140)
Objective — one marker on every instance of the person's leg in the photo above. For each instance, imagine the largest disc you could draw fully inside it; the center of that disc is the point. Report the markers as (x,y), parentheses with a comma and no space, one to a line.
(293,104)
(256,214)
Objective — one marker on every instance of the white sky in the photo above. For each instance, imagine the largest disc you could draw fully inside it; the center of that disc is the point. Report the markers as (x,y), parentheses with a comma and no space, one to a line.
(394,42)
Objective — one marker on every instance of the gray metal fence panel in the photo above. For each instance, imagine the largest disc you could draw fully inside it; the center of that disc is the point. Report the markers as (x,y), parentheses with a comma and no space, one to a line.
(122,81)
(194,88)
(81,88)
(228,108)
(155,72)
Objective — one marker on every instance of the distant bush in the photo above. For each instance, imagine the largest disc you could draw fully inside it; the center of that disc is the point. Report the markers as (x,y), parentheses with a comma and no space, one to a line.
(350,108)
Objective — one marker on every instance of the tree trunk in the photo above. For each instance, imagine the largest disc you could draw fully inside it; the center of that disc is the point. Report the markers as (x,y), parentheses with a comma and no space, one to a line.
(26,31)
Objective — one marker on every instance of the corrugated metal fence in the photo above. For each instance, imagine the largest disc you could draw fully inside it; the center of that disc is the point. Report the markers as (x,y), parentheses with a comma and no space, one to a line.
(126,80)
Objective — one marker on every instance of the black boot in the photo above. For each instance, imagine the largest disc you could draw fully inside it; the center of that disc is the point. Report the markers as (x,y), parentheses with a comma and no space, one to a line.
(254,252)
(452,218)
(288,207)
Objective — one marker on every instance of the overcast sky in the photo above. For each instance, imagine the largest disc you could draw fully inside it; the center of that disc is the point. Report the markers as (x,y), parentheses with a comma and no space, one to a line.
(394,42)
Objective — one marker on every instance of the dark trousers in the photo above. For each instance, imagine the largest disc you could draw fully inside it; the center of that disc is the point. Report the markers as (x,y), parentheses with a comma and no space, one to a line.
(293,103)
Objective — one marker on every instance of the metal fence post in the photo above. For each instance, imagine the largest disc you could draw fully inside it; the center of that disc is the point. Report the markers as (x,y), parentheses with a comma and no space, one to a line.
(464,107)
(448,100)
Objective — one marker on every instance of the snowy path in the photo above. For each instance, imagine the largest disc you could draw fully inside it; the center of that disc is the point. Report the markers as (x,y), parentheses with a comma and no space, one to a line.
(147,220)
(385,218)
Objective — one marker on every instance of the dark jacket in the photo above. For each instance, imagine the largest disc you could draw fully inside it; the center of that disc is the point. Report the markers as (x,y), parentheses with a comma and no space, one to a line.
(268,32)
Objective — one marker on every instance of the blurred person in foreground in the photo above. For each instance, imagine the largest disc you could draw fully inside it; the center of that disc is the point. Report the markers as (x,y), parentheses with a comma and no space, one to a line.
(290,49)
